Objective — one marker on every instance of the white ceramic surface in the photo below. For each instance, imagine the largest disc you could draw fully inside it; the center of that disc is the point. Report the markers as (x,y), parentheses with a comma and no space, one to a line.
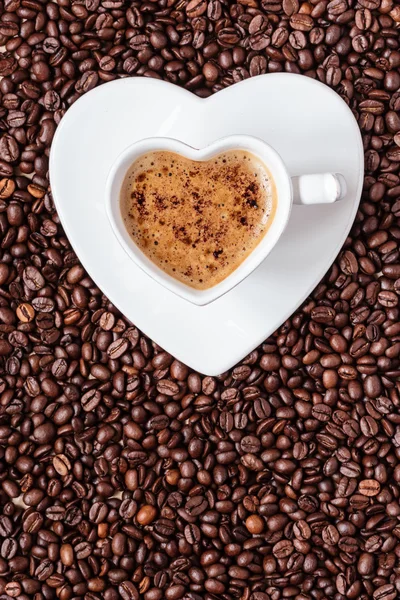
(309,189)
(308,124)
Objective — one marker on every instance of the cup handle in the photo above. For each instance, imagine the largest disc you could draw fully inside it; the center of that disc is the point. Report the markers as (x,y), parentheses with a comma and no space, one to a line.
(322,188)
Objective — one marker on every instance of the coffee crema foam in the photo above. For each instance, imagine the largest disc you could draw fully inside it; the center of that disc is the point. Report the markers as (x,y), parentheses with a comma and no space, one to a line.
(198,220)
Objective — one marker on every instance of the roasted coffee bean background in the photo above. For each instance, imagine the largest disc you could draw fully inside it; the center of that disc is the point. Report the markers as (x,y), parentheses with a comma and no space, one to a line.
(122,473)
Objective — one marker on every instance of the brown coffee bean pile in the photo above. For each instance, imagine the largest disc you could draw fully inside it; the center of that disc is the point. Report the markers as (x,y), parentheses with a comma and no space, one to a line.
(122,473)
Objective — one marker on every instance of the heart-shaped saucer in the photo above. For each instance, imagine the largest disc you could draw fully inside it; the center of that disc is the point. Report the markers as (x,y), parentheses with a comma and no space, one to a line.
(306,122)
(256,147)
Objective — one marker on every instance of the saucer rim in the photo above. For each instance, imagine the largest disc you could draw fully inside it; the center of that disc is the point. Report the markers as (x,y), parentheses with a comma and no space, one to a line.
(203,365)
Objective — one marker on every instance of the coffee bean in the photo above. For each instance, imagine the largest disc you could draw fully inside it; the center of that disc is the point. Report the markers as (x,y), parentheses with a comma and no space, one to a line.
(302,530)
(13,589)
(369,487)
(7,188)
(90,400)
(330,535)
(196,506)
(282,549)
(83,550)
(33,522)
(67,555)
(301,22)
(321,412)
(323,314)
(252,462)
(61,464)
(385,592)
(98,512)
(9,150)
(117,348)
(192,534)
(255,524)
(369,426)
(9,548)
(250,444)
(128,591)
(169,388)
(44,570)
(25,312)
(33,279)
(195,8)
(146,514)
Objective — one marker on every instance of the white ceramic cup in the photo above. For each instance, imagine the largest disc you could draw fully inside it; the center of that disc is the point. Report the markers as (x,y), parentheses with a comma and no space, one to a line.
(323,188)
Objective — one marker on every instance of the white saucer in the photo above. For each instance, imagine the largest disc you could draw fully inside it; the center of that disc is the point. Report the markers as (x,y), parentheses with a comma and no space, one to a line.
(308,124)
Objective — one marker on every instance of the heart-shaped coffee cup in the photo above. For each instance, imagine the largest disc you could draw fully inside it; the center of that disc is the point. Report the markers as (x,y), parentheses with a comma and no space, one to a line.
(305,189)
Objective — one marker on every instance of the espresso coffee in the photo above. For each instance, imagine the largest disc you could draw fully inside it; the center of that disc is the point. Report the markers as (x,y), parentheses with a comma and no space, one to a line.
(198,220)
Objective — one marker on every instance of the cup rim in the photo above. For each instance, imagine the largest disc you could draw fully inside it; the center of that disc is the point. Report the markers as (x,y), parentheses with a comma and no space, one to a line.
(256,146)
